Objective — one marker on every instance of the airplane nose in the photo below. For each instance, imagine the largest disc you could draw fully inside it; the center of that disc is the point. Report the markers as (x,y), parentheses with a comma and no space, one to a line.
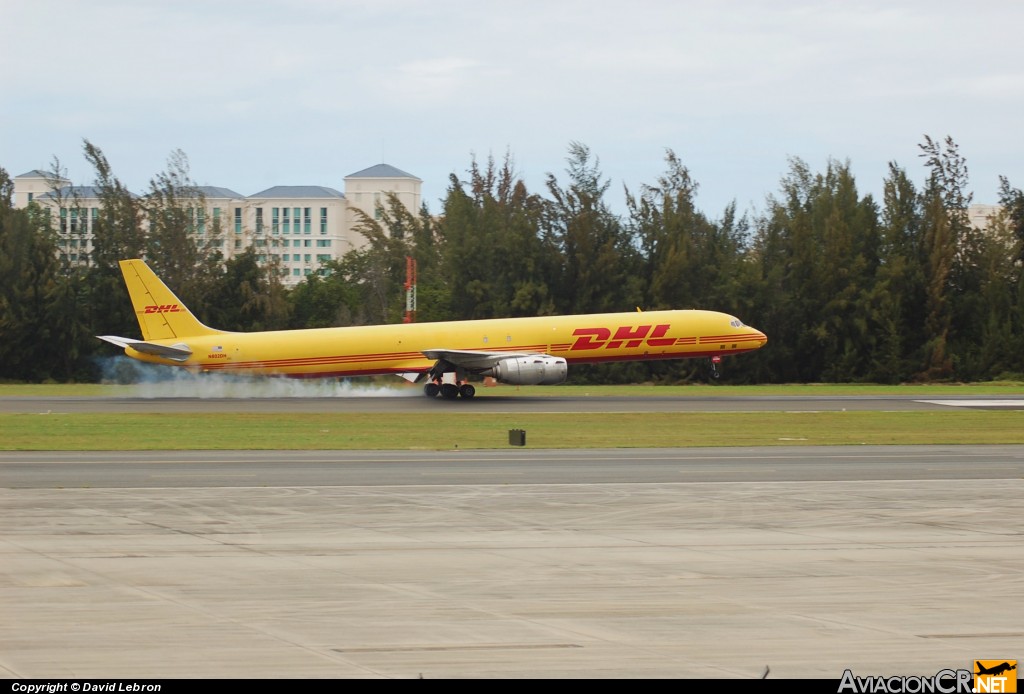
(762,339)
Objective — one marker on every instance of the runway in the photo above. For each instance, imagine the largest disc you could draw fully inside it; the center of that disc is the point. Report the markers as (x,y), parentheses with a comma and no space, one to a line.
(516,563)
(412,401)
(311,469)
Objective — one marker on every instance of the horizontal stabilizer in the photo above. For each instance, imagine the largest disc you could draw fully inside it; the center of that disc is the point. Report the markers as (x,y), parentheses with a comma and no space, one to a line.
(178,352)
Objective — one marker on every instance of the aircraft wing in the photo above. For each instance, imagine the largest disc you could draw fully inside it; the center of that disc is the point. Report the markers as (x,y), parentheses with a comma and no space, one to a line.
(179,352)
(473,360)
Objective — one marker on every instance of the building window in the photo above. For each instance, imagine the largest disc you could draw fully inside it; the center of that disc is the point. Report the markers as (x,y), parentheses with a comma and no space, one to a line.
(307,222)
(275,222)
(238,221)
(259,220)
(286,225)
(308,243)
(323,220)
(323,243)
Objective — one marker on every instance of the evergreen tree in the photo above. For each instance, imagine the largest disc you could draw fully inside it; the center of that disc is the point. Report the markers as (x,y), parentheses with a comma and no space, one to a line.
(601,268)
(896,301)
(689,261)
(118,234)
(249,296)
(180,247)
(495,259)
(1012,201)
(31,344)
(378,270)
(953,252)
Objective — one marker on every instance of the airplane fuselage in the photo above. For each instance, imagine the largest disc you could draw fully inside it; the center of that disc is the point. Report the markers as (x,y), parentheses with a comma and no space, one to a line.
(518,351)
(399,348)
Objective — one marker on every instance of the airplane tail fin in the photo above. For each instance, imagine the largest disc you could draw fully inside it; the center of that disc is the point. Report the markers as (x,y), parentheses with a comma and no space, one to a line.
(160,313)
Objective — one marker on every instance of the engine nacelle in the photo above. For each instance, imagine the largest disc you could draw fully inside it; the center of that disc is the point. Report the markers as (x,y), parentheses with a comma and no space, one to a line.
(541,370)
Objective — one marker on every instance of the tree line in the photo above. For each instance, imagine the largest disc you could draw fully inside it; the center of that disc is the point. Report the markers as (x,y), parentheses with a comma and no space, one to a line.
(848,288)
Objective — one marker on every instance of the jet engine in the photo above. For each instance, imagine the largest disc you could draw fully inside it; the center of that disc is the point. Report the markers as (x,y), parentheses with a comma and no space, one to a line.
(540,370)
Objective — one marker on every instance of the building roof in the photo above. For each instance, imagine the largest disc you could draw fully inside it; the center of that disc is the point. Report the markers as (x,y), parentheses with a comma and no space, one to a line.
(289,192)
(34,173)
(69,192)
(382,171)
(216,192)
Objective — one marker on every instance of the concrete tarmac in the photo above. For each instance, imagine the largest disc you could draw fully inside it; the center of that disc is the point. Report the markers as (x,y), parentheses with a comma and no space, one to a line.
(630,563)
(412,400)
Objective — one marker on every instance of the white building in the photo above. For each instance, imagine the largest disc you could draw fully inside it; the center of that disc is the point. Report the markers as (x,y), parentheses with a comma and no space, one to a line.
(300,226)
(981,216)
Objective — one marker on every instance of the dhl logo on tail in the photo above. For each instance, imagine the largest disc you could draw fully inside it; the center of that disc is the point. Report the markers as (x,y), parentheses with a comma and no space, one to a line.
(166,308)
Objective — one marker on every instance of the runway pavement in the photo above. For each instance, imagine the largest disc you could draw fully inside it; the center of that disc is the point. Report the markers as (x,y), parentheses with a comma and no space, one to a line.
(520,563)
(218,469)
(413,401)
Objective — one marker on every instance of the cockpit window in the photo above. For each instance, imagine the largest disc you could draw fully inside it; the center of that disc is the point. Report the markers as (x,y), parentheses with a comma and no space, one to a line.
(736,323)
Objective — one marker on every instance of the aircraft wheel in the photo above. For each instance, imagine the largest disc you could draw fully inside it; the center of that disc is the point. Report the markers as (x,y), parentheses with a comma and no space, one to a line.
(449,391)
(467,391)
(431,390)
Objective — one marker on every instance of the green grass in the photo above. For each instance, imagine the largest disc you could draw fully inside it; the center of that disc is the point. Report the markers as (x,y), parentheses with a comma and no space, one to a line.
(470,430)
(467,429)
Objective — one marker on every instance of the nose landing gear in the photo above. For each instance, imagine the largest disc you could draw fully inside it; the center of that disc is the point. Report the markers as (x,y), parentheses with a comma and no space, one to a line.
(715,373)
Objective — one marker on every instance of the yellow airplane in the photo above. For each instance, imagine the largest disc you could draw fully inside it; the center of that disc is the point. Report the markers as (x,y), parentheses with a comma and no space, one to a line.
(518,351)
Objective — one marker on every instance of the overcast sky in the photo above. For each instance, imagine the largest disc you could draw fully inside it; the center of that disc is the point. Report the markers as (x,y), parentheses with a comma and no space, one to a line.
(306,92)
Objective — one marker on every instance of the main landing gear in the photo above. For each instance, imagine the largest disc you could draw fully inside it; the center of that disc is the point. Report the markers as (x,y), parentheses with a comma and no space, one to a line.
(449,391)
(448,382)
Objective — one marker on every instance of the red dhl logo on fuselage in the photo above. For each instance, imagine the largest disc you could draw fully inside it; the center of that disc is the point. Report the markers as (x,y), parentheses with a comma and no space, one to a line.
(165,308)
(625,336)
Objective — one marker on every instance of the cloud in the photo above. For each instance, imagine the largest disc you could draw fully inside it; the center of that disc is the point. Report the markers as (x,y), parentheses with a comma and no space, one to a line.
(293,90)
(428,82)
